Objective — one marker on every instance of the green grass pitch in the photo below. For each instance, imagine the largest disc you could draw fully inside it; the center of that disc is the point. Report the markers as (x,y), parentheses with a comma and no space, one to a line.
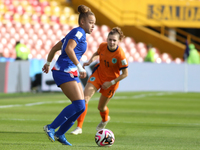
(139,120)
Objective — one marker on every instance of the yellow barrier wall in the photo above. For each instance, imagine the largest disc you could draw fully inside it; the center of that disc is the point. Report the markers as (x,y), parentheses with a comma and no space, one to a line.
(131,15)
(172,13)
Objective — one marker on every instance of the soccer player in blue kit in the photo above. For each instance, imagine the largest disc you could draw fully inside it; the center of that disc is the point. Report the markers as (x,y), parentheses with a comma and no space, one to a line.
(65,74)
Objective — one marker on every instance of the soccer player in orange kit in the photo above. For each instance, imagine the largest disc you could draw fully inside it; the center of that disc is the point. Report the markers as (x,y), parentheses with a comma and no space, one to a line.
(106,76)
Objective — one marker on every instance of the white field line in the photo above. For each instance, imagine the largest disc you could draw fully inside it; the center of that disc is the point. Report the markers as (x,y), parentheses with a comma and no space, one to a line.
(93,99)
(125,122)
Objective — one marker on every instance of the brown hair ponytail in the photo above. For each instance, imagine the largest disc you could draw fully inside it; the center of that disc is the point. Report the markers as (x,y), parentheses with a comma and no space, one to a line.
(84,12)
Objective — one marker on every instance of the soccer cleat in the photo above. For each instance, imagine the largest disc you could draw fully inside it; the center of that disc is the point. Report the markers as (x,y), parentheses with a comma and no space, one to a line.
(77,131)
(102,124)
(62,139)
(49,132)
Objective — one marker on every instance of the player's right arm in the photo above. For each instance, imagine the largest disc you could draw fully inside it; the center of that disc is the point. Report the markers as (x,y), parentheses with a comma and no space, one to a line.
(94,56)
(51,54)
(71,54)
(54,49)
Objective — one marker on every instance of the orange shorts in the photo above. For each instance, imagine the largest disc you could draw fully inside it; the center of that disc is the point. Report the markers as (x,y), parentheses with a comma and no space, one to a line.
(95,80)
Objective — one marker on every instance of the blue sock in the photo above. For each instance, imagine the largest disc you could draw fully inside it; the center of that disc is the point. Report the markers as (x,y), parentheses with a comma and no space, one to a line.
(69,123)
(68,112)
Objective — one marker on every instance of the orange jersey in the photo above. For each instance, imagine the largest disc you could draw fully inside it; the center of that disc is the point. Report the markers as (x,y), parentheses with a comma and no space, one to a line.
(111,62)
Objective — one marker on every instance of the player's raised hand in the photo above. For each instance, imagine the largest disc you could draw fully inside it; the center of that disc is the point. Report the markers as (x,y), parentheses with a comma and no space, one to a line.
(45,68)
(106,85)
(82,74)
(82,71)
(86,64)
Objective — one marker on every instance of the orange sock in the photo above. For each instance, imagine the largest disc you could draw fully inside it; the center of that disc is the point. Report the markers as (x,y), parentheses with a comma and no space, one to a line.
(104,115)
(81,118)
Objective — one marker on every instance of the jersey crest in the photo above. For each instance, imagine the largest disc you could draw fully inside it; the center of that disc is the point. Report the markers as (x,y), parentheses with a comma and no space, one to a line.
(79,35)
(92,78)
(114,60)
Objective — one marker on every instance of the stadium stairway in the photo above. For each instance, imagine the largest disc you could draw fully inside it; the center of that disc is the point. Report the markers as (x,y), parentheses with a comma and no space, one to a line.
(108,14)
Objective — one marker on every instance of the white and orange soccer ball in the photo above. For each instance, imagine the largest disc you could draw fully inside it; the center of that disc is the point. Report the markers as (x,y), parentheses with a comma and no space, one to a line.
(104,137)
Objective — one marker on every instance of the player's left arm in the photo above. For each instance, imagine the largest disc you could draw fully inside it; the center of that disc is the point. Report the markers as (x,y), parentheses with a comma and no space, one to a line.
(123,65)
(123,75)
(94,56)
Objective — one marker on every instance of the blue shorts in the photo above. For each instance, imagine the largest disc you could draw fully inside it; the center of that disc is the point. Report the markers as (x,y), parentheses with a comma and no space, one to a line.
(62,77)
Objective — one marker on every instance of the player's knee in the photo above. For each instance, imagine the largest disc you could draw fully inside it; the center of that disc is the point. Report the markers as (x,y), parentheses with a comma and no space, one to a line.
(82,110)
(79,105)
(100,108)
(82,106)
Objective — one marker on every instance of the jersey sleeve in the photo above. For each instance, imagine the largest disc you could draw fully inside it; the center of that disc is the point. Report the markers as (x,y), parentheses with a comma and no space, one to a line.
(123,63)
(76,35)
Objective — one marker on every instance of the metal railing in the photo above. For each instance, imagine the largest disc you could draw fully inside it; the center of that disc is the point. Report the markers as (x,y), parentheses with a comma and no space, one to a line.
(135,18)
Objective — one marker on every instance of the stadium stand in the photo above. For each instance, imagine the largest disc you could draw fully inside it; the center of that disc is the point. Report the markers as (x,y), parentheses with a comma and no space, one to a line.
(41,24)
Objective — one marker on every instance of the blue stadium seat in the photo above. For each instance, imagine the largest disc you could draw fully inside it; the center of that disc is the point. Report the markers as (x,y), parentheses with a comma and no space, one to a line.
(3,59)
(10,59)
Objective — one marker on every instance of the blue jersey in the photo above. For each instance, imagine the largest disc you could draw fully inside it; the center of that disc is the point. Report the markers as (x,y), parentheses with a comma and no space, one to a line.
(64,63)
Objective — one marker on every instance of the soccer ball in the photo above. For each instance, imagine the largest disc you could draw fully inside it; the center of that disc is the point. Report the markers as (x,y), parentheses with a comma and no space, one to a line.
(104,137)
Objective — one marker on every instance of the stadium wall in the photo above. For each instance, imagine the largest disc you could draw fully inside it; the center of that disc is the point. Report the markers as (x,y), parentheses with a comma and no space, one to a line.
(14,77)
(149,77)
(2,77)
(162,77)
